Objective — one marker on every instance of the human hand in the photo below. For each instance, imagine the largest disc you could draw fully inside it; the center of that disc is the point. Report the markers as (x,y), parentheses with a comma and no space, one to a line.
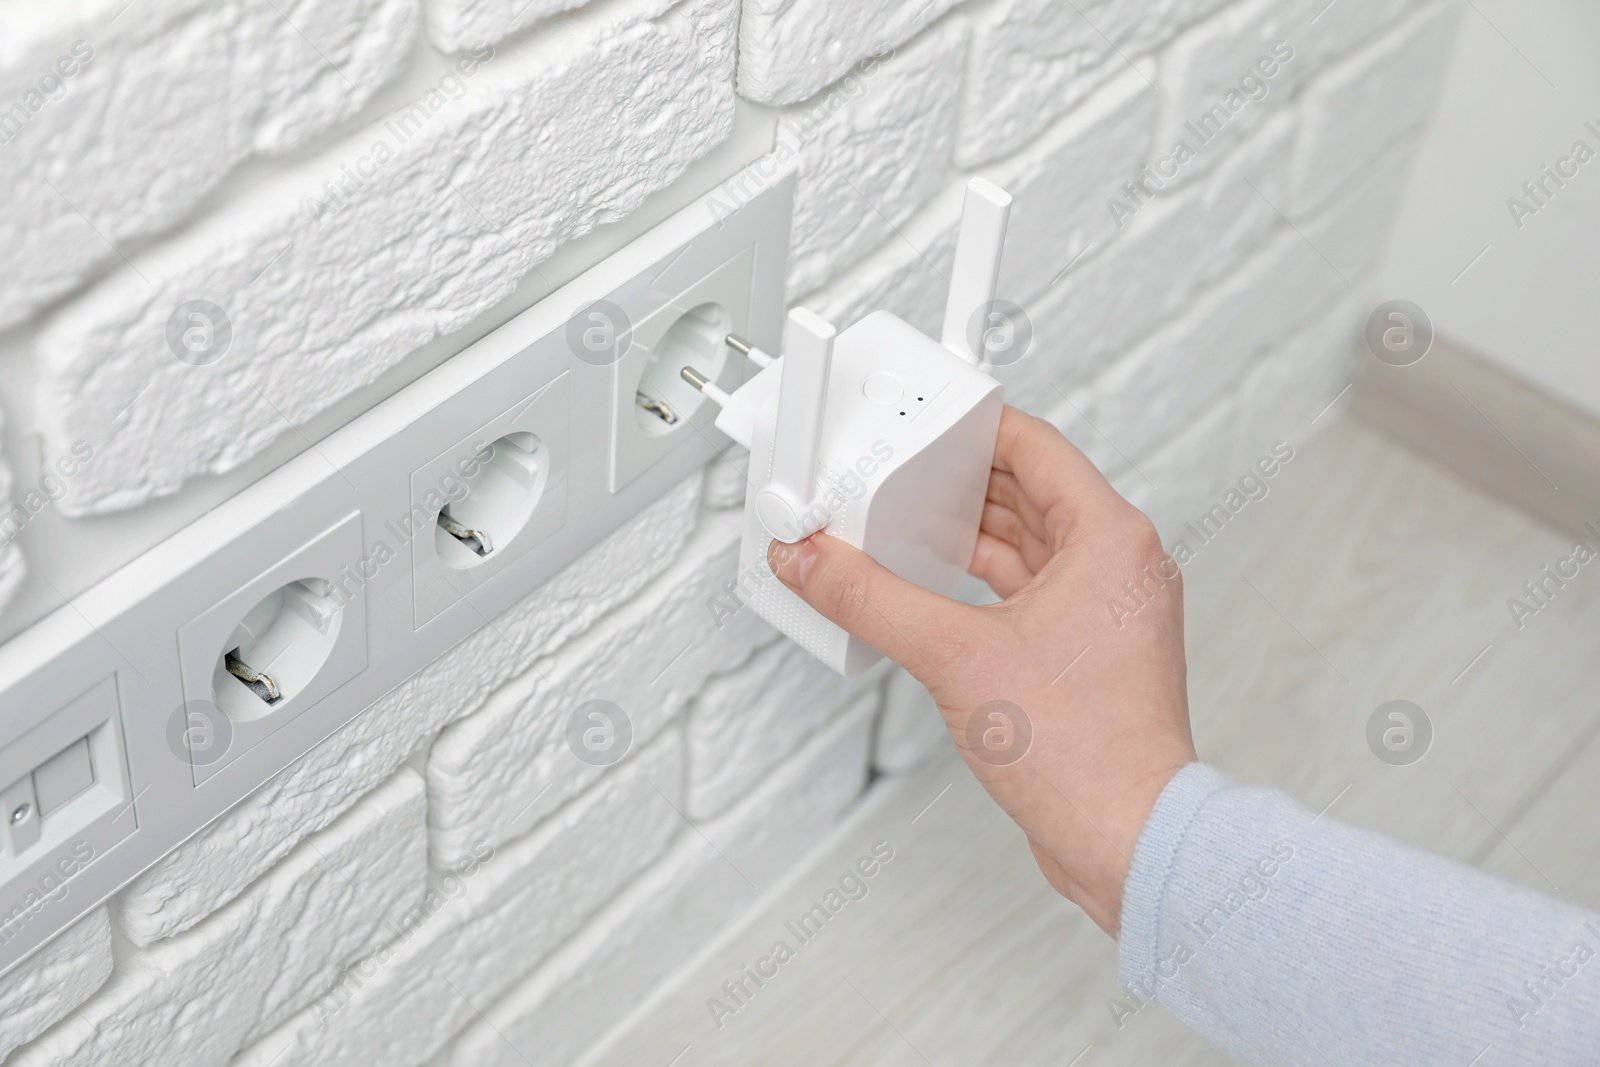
(1102,690)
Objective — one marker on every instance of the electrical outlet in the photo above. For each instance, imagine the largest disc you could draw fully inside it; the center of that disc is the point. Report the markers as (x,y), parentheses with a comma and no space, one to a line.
(278,644)
(488,499)
(689,312)
(233,648)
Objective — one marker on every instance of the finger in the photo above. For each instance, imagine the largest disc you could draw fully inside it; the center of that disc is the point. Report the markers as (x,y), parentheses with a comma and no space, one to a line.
(1000,521)
(1051,472)
(905,622)
(1001,566)
(1003,524)
(1004,489)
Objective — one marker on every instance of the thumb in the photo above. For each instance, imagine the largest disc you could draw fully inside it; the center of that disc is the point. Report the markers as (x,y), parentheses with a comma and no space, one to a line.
(912,626)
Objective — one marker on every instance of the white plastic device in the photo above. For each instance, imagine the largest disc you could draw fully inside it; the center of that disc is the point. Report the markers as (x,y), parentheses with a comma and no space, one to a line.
(879,436)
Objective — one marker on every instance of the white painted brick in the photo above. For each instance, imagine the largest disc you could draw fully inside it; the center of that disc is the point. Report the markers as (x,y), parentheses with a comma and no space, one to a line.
(495,774)
(520,902)
(871,150)
(745,723)
(1201,74)
(197,998)
(908,275)
(1061,184)
(158,111)
(650,930)
(676,910)
(1164,253)
(1353,230)
(12,566)
(1069,415)
(1182,371)
(1355,112)
(1186,477)
(910,729)
(212,867)
(1296,381)
(767,836)
(552,137)
(459,25)
(1340,27)
(55,980)
(1032,60)
(790,49)
(727,479)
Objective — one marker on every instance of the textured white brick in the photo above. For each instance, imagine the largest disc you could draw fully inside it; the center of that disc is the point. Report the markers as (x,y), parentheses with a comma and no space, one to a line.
(745,723)
(908,275)
(1183,370)
(1296,381)
(195,999)
(55,980)
(1345,25)
(212,867)
(1185,479)
(871,150)
(1061,184)
(1353,229)
(676,910)
(1355,112)
(726,479)
(910,729)
(552,137)
(1204,106)
(650,930)
(1164,253)
(12,566)
(524,899)
(457,25)
(1032,60)
(158,109)
(497,773)
(766,836)
(789,49)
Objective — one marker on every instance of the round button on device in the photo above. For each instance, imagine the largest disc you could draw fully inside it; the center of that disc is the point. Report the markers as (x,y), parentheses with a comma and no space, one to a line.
(883,389)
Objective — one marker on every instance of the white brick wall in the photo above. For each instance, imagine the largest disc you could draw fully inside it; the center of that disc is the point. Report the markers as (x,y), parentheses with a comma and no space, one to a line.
(465,196)
(53,982)
(676,909)
(12,567)
(442,878)
(150,110)
(199,997)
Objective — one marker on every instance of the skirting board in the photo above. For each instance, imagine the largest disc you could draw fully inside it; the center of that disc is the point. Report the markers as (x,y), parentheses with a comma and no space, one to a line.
(1494,430)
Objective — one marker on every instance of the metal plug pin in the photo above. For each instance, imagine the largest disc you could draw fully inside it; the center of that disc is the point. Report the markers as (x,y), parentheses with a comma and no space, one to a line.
(259,682)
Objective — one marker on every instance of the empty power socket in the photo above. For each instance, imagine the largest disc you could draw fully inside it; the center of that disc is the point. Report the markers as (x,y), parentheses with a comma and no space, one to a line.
(489,499)
(255,575)
(273,648)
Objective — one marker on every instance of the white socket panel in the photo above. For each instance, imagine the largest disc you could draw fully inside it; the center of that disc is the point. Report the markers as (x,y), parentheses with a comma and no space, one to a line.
(264,572)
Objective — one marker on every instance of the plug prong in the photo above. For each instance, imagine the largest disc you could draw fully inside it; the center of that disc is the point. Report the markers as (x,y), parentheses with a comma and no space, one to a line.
(703,384)
(749,351)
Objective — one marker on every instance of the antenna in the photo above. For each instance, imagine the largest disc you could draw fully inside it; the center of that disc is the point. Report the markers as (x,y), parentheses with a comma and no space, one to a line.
(983,237)
(784,505)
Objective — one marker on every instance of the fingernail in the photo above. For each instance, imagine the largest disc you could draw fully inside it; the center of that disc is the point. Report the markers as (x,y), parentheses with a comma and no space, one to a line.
(791,563)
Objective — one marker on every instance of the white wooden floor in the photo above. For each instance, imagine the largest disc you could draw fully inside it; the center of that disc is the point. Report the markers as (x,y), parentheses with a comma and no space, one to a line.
(1367,575)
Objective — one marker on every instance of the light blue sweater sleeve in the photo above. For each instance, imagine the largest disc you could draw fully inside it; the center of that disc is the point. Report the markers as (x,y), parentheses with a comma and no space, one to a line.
(1286,938)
